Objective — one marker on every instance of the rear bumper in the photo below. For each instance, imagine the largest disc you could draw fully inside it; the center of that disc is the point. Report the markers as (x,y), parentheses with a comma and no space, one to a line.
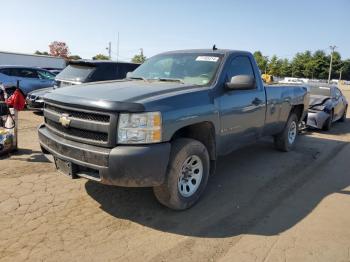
(129,166)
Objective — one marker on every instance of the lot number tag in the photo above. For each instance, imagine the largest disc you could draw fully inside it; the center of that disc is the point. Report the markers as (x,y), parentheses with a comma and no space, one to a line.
(207,58)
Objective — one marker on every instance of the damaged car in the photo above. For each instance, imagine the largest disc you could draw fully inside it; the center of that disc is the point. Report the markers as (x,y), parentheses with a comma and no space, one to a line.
(327,105)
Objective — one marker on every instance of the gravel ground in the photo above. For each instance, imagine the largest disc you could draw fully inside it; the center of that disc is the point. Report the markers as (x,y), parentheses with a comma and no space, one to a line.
(262,205)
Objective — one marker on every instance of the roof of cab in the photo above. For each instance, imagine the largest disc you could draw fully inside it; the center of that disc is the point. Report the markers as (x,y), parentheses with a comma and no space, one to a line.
(208,51)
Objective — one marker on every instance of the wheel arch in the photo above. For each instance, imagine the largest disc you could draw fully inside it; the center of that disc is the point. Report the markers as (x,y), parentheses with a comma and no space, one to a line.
(203,132)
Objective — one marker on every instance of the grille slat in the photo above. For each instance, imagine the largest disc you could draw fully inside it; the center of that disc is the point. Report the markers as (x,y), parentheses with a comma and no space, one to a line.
(91,135)
(80,115)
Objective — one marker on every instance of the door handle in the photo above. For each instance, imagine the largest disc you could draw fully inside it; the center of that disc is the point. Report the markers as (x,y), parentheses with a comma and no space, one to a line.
(256,101)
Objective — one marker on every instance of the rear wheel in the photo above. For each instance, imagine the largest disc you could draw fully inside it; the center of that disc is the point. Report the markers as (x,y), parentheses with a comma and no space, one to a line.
(328,124)
(187,175)
(343,118)
(285,141)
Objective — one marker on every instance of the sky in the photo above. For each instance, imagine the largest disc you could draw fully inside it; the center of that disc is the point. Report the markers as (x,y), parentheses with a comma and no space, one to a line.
(271,26)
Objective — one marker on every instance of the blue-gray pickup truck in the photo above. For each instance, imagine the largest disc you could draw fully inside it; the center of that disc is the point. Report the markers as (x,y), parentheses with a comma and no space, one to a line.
(167,123)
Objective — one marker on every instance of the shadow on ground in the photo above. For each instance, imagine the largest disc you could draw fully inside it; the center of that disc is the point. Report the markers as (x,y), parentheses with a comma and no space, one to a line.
(27,155)
(249,184)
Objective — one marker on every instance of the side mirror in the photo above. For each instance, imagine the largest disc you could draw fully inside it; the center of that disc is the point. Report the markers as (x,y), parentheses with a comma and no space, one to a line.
(241,82)
(128,74)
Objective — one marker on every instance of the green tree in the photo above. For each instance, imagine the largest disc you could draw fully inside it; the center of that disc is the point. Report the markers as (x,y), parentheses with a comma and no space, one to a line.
(74,57)
(100,57)
(346,70)
(37,52)
(321,64)
(139,59)
(261,60)
(274,66)
(285,69)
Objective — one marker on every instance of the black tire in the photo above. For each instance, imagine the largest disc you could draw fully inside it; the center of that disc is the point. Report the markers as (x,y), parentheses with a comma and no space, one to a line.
(343,118)
(281,140)
(328,123)
(168,193)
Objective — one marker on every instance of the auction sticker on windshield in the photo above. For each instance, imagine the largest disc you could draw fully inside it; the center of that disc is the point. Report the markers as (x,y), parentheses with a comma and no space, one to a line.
(207,58)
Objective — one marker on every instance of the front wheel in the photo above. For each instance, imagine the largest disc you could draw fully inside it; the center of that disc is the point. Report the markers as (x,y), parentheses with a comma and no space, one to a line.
(285,141)
(328,124)
(187,174)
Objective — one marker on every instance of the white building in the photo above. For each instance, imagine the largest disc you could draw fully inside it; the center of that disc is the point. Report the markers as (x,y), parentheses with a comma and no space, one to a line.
(42,61)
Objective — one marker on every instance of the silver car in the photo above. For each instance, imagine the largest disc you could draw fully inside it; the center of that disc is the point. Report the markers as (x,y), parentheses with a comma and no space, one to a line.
(30,78)
(327,105)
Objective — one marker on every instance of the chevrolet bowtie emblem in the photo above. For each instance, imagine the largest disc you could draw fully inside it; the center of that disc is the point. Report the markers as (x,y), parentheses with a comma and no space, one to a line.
(64,120)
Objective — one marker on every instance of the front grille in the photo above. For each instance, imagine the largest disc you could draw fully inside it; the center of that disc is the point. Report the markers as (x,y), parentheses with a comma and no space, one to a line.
(76,132)
(80,115)
(90,127)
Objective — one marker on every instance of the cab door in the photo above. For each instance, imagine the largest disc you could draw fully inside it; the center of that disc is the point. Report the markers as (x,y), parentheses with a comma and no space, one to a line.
(242,112)
(339,103)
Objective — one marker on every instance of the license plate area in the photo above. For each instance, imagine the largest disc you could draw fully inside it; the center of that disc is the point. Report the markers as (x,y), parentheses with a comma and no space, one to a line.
(65,167)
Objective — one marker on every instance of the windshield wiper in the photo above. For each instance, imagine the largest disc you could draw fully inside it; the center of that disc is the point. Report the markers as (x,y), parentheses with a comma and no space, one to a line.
(171,80)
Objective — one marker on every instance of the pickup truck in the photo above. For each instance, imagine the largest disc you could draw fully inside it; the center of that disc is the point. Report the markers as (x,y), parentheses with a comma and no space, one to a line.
(166,125)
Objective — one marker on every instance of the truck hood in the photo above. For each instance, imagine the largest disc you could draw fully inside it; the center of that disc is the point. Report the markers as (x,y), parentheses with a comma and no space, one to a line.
(124,95)
(41,92)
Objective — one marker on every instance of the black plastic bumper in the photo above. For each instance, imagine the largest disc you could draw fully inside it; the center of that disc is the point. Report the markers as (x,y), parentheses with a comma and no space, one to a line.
(35,105)
(129,166)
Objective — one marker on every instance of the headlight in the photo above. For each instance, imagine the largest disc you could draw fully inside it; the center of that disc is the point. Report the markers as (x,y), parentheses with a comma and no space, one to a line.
(141,128)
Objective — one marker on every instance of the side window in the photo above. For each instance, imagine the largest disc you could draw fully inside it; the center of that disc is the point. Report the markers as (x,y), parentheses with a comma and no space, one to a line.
(28,73)
(240,65)
(5,71)
(337,93)
(45,75)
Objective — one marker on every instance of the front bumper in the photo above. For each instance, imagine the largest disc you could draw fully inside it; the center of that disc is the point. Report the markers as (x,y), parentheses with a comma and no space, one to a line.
(35,104)
(129,166)
(317,119)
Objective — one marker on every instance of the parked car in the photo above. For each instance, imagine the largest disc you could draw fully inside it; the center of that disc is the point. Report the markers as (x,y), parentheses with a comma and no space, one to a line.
(30,78)
(327,105)
(165,126)
(82,71)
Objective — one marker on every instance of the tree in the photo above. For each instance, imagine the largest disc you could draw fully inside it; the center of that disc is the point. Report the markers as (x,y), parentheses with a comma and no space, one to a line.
(139,59)
(346,70)
(261,60)
(285,69)
(100,57)
(37,52)
(59,49)
(274,66)
(74,57)
(321,64)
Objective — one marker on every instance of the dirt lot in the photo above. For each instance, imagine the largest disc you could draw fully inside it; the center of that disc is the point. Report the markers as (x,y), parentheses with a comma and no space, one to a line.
(262,205)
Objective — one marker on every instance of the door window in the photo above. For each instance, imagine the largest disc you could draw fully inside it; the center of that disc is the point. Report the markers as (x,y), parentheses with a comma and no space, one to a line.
(28,73)
(240,65)
(337,93)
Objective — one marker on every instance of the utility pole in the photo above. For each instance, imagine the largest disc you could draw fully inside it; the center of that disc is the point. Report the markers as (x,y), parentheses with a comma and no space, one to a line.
(141,52)
(118,47)
(341,71)
(109,48)
(332,47)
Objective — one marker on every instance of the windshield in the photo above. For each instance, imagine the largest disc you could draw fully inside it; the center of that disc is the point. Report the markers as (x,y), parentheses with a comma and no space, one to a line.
(77,73)
(320,91)
(189,68)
